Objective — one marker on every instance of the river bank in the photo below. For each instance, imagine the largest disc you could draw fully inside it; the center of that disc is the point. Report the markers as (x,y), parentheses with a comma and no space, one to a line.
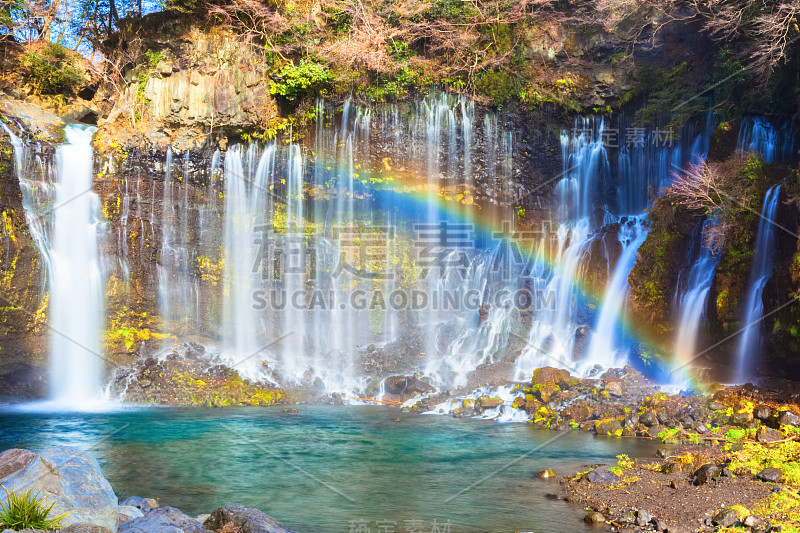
(693,456)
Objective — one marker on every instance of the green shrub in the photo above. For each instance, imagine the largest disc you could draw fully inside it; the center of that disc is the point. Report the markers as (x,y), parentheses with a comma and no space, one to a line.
(50,69)
(307,78)
(27,510)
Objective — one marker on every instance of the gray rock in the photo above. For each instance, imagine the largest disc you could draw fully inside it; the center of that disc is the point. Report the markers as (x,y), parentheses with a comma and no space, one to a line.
(248,519)
(661,525)
(602,475)
(14,460)
(742,419)
(85,528)
(716,406)
(752,521)
(702,429)
(73,481)
(128,513)
(643,518)
(406,385)
(705,474)
(765,434)
(149,503)
(770,475)
(648,418)
(725,518)
(788,418)
(163,520)
(132,501)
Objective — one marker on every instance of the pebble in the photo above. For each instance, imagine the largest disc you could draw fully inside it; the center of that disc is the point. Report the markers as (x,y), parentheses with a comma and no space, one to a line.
(725,518)
(766,434)
(770,475)
(705,474)
(788,418)
(545,474)
(595,518)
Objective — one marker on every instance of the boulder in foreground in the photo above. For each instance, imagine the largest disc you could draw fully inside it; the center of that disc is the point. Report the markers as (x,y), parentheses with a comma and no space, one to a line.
(66,476)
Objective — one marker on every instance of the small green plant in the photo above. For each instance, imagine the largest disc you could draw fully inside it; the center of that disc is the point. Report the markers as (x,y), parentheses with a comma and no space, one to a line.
(307,78)
(50,69)
(26,510)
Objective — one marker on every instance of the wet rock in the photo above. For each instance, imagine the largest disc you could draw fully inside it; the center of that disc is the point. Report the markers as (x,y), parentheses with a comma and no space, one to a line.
(662,452)
(725,518)
(662,417)
(72,480)
(648,418)
(595,518)
(705,474)
(406,385)
(488,403)
(545,474)
(770,475)
(468,403)
(788,418)
(610,426)
(248,519)
(14,460)
(654,430)
(551,376)
(163,520)
(765,434)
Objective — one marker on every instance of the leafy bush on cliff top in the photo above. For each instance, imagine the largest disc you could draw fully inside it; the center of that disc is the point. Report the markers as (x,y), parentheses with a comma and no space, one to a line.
(50,69)
(306,79)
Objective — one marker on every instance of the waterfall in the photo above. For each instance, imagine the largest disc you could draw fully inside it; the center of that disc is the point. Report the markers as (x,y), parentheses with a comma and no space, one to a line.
(63,217)
(691,301)
(76,286)
(246,233)
(608,348)
(756,134)
(747,351)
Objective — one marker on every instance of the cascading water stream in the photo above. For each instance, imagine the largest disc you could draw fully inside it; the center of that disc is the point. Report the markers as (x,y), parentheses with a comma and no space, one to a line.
(747,350)
(76,285)
(245,339)
(692,303)
(757,135)
(607,348)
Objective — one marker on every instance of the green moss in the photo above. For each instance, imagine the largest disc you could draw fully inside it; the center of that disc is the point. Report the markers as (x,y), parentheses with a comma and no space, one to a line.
(497,86)
(754,457)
